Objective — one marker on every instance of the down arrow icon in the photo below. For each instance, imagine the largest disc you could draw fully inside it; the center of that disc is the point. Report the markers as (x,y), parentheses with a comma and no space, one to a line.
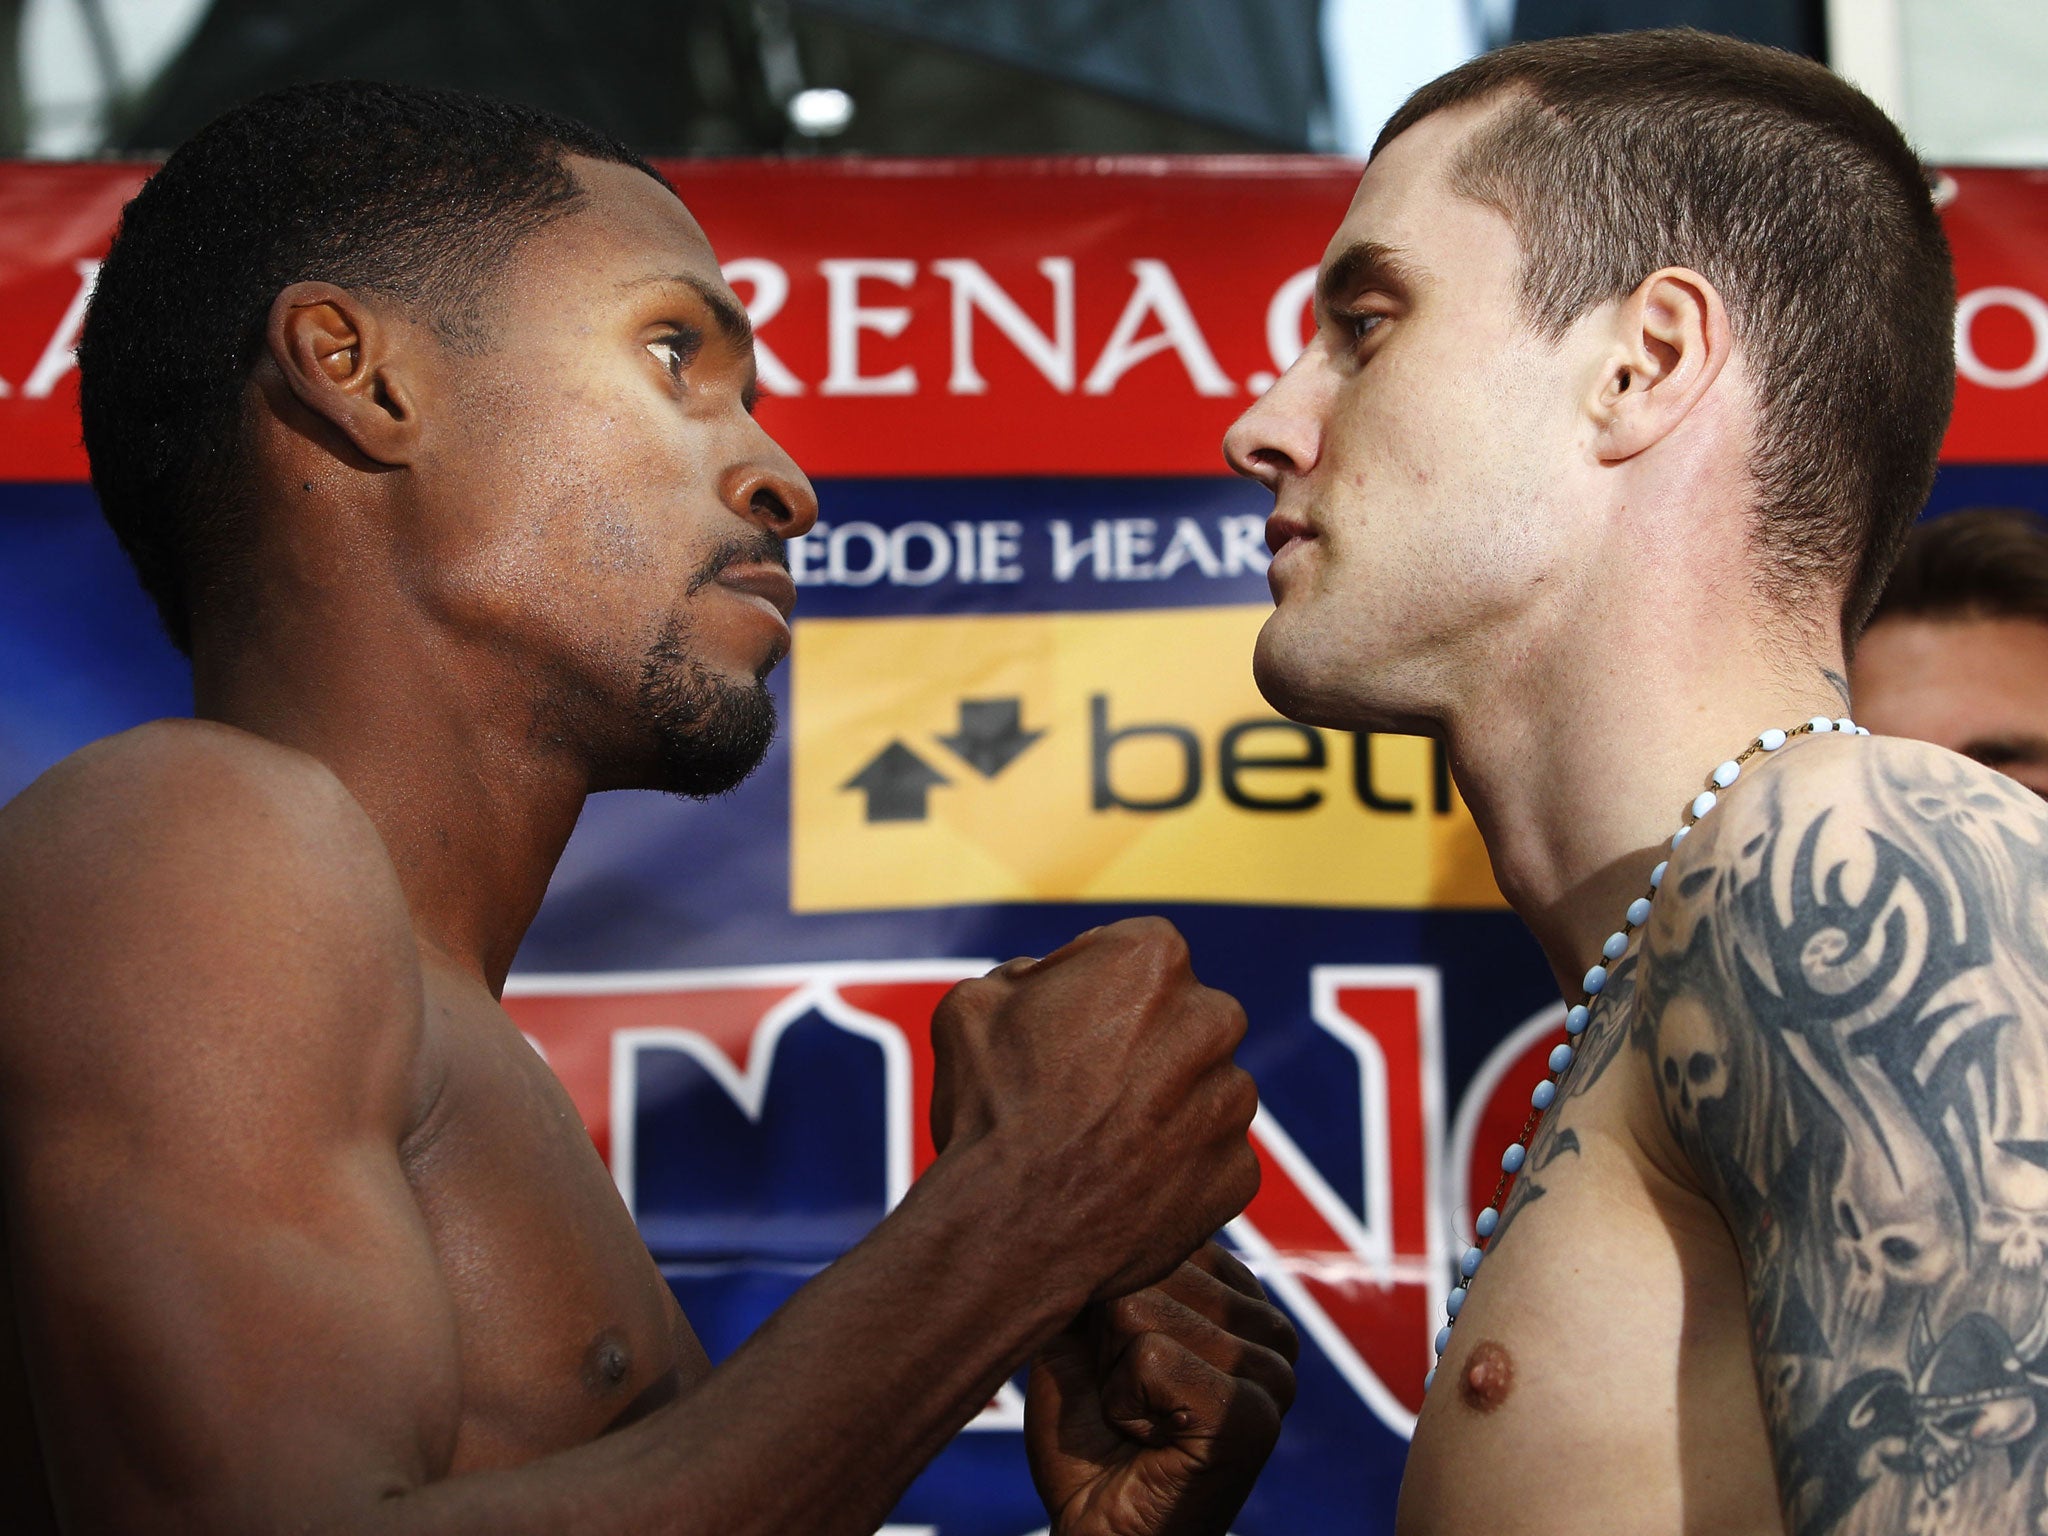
(991,734)
(896,783)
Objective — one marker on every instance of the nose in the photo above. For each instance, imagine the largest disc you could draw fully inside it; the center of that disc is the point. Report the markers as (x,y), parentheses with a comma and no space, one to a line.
(1281,434)
(771,491)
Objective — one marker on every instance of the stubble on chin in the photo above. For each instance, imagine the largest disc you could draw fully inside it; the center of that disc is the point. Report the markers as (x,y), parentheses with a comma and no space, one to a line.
(709,732)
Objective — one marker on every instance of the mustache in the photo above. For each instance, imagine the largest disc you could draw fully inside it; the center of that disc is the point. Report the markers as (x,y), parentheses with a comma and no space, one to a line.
(762,548)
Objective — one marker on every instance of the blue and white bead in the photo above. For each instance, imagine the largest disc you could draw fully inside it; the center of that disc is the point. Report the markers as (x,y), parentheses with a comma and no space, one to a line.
(1579,1016)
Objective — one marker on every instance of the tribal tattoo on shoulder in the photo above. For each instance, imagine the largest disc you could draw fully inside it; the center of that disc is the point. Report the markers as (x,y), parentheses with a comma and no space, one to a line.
(1846,1011)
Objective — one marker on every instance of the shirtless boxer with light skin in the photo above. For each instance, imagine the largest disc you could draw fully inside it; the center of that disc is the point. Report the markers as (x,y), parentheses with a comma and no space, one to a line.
(1631,361)
(428,423)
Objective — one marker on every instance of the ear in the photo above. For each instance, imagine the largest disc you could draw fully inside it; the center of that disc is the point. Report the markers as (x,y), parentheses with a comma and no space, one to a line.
(344,365)
(1670,342)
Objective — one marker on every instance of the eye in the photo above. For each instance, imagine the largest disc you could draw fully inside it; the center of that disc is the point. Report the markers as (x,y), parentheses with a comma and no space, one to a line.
(668,351)
(1358,324)
(675,351)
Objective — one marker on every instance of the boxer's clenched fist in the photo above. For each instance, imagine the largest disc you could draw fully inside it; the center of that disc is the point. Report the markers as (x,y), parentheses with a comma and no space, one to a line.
(1106,1069)
(1152,1415)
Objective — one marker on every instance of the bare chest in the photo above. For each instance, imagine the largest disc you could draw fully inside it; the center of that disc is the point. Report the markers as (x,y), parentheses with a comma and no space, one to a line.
(1604,1346)
(566,1326)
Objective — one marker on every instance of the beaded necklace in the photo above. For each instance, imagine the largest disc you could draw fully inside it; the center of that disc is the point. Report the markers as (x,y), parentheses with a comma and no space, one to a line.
(1580,1014)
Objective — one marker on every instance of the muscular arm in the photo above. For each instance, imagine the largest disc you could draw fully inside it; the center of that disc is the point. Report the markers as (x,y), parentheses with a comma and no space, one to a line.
(233,1316)
(1844,993)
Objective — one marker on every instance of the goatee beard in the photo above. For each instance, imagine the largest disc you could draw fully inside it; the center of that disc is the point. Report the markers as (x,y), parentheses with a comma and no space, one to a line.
(709,732)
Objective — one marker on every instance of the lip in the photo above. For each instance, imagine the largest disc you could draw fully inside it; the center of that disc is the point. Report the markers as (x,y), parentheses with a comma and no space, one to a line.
(1283,528)
(770,583)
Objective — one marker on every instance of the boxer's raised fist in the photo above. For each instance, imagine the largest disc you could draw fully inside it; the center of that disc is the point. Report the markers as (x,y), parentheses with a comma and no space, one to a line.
(1106,1069)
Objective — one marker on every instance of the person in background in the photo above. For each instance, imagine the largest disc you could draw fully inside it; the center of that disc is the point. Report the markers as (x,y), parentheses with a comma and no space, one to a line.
(1957,651)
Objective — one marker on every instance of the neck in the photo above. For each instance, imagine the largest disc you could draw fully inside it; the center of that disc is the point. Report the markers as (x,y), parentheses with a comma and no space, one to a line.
(439,744)
(1579,769)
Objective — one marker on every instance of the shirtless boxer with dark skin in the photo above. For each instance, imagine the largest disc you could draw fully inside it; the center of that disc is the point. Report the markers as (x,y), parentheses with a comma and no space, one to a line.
(1633,356)
(300,1233)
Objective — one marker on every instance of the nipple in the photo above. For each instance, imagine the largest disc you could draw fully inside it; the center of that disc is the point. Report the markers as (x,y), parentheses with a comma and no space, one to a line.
(1486,1377)
(607,1362)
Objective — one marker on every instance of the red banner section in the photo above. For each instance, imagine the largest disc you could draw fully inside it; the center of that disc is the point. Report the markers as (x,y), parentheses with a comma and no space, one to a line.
(55,224)
(1085,316)
(1998,227)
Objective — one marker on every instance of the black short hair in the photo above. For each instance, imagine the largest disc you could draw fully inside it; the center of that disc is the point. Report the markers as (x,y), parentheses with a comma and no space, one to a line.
(419,195)
(1982,563)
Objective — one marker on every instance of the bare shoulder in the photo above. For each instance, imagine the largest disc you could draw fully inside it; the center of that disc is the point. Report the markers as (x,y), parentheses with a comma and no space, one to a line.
(165,774)
(1888,777)
(1844,991)
(1848,838)
(188,876)
(1874,888)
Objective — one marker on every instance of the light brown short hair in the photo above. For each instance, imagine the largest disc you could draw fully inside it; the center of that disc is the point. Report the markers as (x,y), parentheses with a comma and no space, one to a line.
(1800,201)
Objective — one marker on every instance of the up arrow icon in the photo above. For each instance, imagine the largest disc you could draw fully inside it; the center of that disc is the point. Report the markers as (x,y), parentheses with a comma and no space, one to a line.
(991,734)
(896,783)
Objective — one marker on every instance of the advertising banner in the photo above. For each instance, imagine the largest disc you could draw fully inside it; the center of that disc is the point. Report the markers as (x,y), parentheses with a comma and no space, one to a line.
(1019,704)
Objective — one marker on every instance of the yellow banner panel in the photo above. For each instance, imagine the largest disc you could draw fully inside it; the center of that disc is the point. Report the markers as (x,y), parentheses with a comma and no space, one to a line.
(1121,756)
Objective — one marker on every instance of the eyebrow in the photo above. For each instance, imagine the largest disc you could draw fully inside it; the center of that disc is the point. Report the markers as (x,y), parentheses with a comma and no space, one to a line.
(1365,264)
(733,323)
(1996,751)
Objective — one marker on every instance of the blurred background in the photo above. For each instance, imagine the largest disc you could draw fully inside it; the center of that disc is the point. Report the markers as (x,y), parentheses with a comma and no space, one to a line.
(82,78)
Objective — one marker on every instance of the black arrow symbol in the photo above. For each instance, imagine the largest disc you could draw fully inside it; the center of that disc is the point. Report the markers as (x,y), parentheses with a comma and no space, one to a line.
(991,734)
(896,783)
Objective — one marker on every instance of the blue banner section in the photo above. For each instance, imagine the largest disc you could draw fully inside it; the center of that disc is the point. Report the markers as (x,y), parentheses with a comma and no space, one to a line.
(81,652)
(752,1164)
(1007,545)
